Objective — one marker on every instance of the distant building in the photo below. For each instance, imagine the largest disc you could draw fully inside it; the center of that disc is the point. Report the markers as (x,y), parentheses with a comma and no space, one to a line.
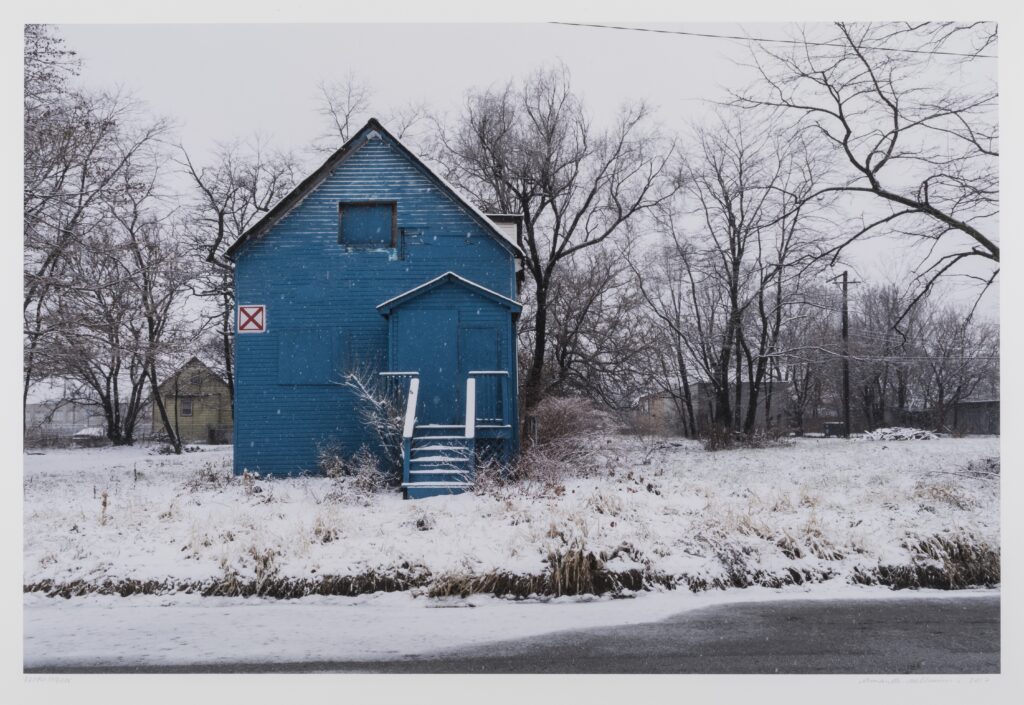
(664,413)
(60,422)
(198,404)
(55,422)
(976,416)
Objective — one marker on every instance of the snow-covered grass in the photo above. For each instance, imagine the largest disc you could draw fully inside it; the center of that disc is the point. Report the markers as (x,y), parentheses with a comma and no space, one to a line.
(906,514)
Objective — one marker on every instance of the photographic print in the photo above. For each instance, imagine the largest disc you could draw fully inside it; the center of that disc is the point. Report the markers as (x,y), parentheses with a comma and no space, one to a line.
(568,347)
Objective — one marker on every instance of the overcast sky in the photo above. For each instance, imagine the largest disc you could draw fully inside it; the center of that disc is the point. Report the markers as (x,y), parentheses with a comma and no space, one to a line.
(222,82)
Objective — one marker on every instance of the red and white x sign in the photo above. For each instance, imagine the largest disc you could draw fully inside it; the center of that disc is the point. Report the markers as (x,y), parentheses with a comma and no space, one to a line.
(252,319)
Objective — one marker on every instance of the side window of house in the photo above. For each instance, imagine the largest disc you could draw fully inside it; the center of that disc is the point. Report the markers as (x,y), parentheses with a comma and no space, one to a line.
(368,224)
(186,406)
(311,356)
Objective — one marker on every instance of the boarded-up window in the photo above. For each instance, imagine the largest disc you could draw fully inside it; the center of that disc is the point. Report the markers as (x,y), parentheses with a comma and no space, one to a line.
(367,224)
(311,356)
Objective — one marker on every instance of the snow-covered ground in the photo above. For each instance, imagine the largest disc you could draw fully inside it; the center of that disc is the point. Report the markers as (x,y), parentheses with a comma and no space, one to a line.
(814,509)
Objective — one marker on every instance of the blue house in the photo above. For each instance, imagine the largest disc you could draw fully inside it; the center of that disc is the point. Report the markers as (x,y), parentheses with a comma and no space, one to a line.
(375,263)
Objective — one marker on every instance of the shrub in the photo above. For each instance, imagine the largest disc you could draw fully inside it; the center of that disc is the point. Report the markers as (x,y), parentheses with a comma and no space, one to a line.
(565,418)
(551,462)
(209,477)
(381,408)
(356,476)
(764,438)
(168,449)
(717,437)
(490,475)
(539,470)
(565,430)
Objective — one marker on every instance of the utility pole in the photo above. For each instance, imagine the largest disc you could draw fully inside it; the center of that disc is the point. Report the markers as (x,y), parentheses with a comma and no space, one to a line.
(846,357)
(846,349)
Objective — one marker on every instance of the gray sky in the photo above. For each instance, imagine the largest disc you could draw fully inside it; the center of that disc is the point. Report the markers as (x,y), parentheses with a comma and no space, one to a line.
(223,82)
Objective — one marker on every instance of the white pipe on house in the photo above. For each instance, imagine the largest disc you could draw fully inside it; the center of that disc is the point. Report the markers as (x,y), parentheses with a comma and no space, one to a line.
(410,407)
(470,407)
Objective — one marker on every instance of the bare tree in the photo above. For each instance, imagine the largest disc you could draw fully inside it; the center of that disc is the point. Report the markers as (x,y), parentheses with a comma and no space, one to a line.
(881,353)
(347,103)
(666,281)
(732,181)
(940,355)
(117,312)
(244,181)
(911,113)
(731,253)
(598,340)
(808,350)
(77,145)
(959,355)
(531,148)
(164,273)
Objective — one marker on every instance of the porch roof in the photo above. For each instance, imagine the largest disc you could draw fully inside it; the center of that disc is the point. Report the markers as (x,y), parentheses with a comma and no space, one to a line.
(386,307)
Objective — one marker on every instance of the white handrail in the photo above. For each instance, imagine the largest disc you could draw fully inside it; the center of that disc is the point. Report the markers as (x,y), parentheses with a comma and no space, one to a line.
(410,407)
(488,372)
(470,407)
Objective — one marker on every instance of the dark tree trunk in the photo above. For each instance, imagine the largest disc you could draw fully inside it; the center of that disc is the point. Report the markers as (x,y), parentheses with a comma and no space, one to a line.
(535,375)
(689,421)
(227,338)
(170,429)
(738,395)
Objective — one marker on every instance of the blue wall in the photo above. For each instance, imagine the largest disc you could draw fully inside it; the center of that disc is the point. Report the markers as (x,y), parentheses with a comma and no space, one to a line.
(321,300)
(444,334)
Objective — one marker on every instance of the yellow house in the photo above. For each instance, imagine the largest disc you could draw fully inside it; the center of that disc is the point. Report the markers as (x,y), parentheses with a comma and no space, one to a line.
(198,404)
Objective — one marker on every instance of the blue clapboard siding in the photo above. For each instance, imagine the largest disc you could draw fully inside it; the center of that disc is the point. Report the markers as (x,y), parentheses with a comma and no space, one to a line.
(321,300)
(446,321)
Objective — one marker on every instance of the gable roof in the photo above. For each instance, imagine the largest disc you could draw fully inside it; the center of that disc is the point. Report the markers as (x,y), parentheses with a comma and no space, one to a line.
(194,361)
(311,182)
(386,307)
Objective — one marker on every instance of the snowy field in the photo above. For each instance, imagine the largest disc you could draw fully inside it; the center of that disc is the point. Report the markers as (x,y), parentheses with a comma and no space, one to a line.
(903,513)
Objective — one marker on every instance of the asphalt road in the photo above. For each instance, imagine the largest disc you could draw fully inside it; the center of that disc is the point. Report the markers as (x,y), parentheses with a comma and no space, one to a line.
(926,636)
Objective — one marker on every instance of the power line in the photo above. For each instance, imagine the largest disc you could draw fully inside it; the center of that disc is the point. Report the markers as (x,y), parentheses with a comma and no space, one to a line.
(765,40)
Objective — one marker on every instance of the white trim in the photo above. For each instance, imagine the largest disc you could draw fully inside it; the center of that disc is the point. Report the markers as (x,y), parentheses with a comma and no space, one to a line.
(436,485)
(410,408)
(470,407)
(443,276)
